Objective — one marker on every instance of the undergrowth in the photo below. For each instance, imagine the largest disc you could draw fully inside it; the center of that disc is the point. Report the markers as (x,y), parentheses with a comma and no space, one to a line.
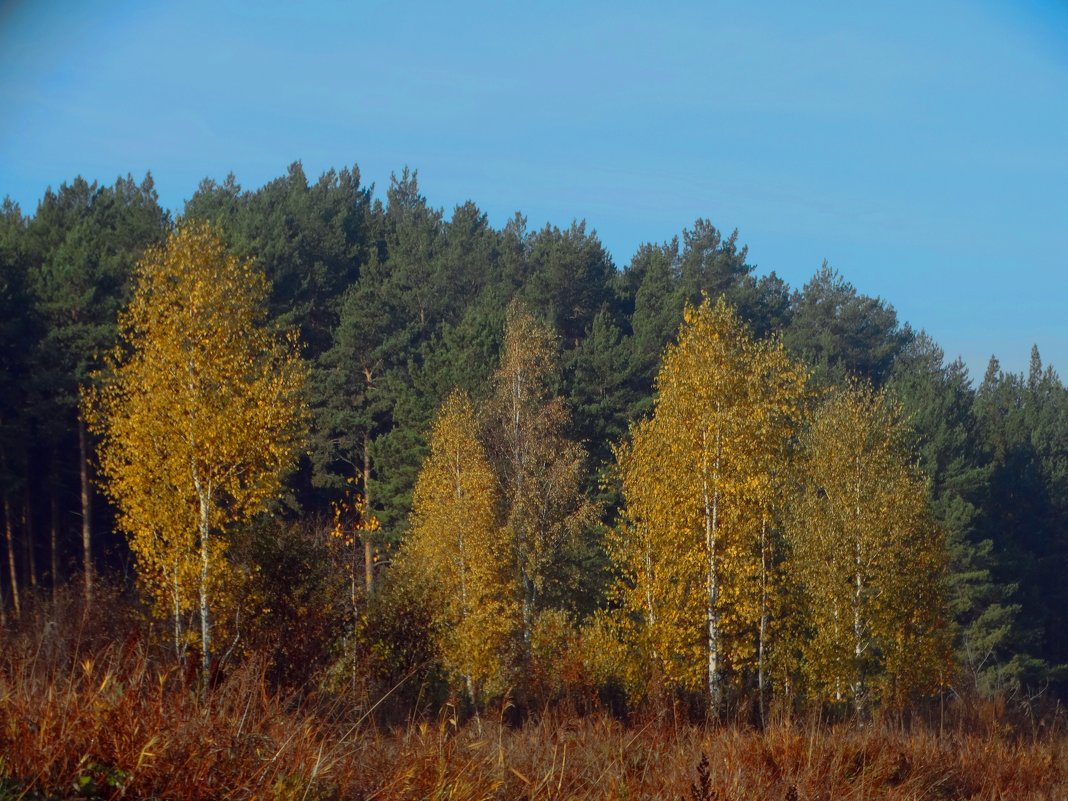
(85,715)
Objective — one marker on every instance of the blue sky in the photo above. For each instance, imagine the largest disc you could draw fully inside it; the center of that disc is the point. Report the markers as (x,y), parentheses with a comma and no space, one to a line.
(921,148)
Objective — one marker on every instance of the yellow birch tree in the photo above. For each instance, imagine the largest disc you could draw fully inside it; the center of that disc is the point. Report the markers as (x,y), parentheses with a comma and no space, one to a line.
(200,416)
(539,470)
(697,479)
(457,552)
(870,560)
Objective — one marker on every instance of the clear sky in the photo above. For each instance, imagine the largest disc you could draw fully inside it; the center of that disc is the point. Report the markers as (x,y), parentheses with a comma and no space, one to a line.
(921,148)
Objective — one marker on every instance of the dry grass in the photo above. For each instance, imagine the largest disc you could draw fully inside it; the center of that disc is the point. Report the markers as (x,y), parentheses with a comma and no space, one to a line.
(84,717)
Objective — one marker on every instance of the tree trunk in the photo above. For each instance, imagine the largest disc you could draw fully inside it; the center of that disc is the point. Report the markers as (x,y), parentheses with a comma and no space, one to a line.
(28,539)
(53,531)
(711,503)
(763,613)
(179,645)
(858,640)
(859,646)
(523,545)
(368,550)
(837,639)
(528,608)
(9,540)
(87,511)
(205,566)
(650,610)
(464,610)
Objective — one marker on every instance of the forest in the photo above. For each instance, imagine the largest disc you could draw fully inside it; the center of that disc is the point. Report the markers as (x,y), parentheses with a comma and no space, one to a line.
(309,493)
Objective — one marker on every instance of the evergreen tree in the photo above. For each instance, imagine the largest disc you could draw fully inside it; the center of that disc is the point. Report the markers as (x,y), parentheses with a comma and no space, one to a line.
(569,279)
(843,333)
(656,315)
(87,240)
(597,381)
(938,403)
(1023,423)
(19,332)
(309,239)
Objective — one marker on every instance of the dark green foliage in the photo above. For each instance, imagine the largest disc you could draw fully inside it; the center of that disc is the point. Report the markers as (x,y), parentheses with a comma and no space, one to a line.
(348,396)
(1024,425)
(20,332)
(661,280)
(656,313)
(19,326)
(602,395)
(80,249)
(939,400)
(843,333)
(710,265)
(88,240)
(310,239)
(567,280)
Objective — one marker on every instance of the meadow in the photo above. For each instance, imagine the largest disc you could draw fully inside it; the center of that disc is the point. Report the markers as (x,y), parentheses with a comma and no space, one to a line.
(90,707)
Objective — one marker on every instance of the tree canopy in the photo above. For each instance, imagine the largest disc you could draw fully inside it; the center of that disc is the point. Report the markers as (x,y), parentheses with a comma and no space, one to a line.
(609,403)
(200,415)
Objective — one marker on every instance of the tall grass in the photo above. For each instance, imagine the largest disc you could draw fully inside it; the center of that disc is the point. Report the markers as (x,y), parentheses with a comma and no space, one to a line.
(85,715)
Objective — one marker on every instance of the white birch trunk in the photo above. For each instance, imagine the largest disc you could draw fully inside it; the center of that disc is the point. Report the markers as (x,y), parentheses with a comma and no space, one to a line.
(711,514)
(203,496)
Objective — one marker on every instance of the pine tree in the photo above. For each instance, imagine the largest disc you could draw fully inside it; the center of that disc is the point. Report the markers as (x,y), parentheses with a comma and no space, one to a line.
(843,333)
(20,331)
(87,239)
(939,402)
(1023,424)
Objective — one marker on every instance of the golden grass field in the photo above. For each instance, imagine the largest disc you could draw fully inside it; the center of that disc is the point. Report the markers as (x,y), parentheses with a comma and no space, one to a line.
(86,716)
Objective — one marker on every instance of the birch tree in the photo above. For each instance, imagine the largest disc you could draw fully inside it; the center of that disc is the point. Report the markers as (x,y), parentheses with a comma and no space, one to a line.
(870,559)
(200,416)
(458,553)
(539,469)
(697,483)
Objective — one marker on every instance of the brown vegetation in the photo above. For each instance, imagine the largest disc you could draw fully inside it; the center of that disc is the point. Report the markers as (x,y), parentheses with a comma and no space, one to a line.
(85,712)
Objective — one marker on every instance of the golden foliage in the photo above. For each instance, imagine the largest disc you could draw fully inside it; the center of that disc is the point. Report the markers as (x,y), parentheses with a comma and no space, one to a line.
(199,412)
(539,470)
(700,484)
(457,551)
(351,517)
(870,559)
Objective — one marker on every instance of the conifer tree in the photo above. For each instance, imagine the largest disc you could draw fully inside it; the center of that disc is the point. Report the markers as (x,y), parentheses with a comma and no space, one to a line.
(19,331)
(939,402)
(1023,425)
(843,333)
(87,239)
